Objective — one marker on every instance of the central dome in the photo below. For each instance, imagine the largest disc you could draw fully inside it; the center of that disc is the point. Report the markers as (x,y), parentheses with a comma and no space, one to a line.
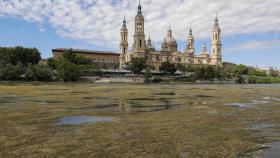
(170,40)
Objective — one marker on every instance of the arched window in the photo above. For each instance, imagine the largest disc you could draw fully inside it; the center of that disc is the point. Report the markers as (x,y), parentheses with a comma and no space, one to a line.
(140,43)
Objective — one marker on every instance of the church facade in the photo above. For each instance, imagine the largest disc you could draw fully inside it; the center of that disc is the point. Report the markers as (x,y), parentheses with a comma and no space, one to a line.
(169,48)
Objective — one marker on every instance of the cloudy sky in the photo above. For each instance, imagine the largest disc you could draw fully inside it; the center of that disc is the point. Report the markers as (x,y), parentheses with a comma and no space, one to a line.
(250,29)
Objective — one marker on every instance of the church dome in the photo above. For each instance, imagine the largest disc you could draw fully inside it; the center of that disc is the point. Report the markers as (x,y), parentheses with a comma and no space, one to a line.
(170,40)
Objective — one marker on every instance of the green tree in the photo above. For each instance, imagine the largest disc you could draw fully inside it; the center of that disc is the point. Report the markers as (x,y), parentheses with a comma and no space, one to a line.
(190,68)
(81,60)
(20,54)
(69,56)
(38,72)
(30,74)
(12,72)
(240,70)
(52,63)
(256,72)
(68,71)
(273,73)
(239,79)
(147,74)
(252,79)
(181,67)
(168,68)
(210,73)
(136,65)
(43,72)
(200,73)
(90,69)
(219,73)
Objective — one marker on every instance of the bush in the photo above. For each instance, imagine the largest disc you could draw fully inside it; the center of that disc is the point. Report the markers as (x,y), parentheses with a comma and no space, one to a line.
(136,65)
(187,79)
(43,73)
(252,79)
(38,73)
(168,68)
(30,74)
(147,75)
(275,80)
(12,72)
(68,71)
(157,79)
(181,67)
(263,80)
(52,63)
(239,79)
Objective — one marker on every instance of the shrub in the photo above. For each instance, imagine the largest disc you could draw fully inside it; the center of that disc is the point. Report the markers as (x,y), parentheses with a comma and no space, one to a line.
(43,73)
(38,73)
(68,71)
(168,68)
(157,79)
(30,74)
(12,72)
(252,79)
(136,65)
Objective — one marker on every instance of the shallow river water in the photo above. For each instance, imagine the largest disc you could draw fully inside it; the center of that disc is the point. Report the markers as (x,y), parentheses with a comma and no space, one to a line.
(61,106)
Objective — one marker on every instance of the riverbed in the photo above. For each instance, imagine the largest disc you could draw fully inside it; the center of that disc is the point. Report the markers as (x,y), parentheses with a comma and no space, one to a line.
(138,120)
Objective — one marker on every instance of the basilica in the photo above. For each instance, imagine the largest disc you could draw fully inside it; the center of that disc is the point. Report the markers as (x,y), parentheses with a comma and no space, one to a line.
(169,48)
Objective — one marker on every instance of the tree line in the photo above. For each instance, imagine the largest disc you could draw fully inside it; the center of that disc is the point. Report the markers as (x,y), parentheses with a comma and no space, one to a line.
(238,73)
(21,63)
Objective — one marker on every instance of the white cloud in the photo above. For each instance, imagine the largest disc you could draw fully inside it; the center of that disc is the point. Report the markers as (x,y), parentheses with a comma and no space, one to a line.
(98,21)
(253,46)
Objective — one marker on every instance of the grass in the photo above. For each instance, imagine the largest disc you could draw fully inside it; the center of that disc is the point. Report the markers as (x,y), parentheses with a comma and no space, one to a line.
(147,123)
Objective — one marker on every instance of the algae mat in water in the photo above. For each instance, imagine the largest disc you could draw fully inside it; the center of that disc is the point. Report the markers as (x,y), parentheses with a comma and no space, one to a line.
(147,120)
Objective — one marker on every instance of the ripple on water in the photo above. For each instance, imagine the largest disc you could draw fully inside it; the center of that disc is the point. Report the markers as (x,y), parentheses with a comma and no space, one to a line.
(76,120)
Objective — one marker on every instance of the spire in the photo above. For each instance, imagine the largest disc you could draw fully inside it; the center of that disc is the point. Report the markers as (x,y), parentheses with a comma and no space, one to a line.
(139,9)
(169,31)
(204,47)
(216,20)
(169,26)
(190,31)
(124,22)
(149,41)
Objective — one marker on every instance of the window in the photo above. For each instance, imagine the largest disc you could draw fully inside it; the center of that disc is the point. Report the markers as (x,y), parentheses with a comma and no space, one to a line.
(140,43)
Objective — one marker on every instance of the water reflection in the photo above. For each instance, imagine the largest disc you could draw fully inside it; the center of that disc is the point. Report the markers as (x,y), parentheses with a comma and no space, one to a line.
(272,152)
(76,120)
(246,105)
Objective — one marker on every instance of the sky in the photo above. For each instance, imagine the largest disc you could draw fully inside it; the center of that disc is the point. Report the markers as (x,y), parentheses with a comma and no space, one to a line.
(250,29)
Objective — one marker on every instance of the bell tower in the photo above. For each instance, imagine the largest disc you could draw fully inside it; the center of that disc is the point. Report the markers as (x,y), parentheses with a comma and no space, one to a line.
(216,57)
(139,35)
(190,49)
(190,40)
(123,44)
